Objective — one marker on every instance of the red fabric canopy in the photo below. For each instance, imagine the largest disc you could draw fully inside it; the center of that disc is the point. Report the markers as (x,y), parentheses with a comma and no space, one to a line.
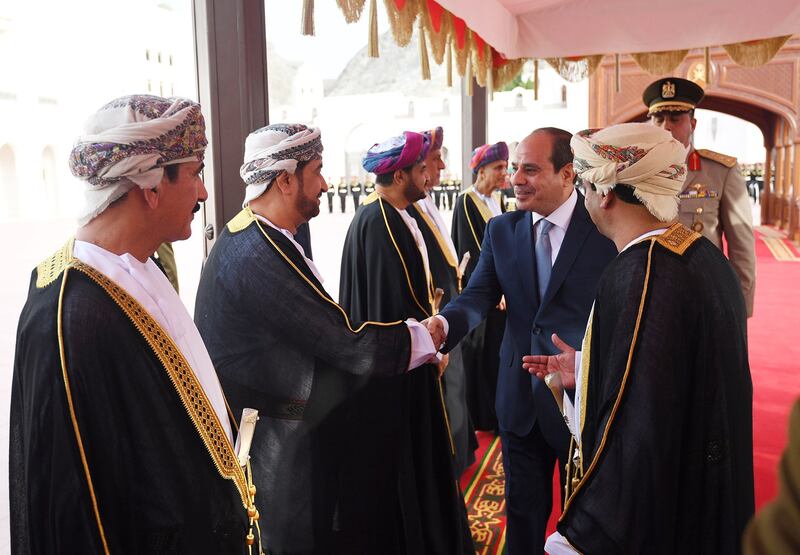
(563,28)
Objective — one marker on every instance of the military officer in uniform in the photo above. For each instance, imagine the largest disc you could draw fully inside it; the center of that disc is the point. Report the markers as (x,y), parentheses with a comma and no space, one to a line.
(355,190)
(342,191)
(714,201)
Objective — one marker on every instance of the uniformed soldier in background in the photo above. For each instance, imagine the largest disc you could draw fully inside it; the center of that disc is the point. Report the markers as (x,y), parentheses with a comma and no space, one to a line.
(342,190)
(369,187)
(331,193)
(355,190)
(453,189)
(437,193)
(714,201)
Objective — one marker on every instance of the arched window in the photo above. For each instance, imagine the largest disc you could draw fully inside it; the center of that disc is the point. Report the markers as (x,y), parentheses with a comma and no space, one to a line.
(8,182)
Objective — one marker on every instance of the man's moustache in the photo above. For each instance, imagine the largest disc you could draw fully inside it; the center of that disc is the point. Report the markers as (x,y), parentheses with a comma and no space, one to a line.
(196,208)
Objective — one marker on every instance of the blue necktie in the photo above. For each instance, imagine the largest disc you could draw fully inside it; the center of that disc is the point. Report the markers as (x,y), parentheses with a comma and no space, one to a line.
(544,253)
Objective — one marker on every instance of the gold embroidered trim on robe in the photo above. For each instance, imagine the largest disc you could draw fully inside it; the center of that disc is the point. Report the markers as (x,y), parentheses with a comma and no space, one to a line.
(621,391)
(370,198)
(429,285)
(678,238)
(437,233)
(191,393)
(49,270)
(241,221)
(71,406)
(483,208)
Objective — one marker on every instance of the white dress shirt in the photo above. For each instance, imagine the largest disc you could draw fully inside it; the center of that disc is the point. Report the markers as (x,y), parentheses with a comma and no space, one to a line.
(557,544)
(151,289)
(560,218)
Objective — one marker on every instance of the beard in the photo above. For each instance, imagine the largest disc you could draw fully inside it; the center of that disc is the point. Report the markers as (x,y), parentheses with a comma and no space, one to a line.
(413,193)
(307,207)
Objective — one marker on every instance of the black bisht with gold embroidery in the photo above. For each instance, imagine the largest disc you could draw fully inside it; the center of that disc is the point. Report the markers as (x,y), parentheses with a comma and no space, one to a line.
(408,501)
(282,346)
(667,438)
(154,487)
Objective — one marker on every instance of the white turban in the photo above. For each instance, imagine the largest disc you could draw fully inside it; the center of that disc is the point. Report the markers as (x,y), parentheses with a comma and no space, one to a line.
(274,149)
(641,155)
(129,141)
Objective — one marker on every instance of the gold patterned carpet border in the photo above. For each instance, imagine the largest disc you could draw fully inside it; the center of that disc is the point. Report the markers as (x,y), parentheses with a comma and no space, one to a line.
(777,243)
(486,503)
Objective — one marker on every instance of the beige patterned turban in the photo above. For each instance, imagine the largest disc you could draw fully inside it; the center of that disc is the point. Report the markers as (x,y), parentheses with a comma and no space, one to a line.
(640,155)
(274,149)
(129,141)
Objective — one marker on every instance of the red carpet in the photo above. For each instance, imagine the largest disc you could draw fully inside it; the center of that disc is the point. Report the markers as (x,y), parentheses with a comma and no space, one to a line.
(774,347)
(774,334)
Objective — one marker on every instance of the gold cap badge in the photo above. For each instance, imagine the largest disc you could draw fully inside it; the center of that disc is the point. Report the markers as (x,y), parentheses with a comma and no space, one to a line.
(668,90)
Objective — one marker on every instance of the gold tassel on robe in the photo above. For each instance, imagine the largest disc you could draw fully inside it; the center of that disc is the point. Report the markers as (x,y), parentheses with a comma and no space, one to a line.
(536,79)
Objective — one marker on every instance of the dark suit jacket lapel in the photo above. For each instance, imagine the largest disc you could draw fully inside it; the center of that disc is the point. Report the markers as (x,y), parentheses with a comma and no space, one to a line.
(579,227)
(523,238)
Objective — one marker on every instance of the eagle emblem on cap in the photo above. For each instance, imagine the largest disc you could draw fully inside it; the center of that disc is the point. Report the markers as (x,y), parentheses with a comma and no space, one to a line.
(668,90)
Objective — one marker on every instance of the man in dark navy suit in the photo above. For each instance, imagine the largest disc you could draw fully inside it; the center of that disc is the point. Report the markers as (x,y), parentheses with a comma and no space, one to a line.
(546,258)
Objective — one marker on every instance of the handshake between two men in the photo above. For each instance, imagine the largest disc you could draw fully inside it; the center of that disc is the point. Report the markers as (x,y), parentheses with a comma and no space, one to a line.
(562,364)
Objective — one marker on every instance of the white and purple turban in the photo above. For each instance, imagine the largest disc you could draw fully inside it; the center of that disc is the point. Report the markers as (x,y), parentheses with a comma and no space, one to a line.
(128,142)
(396,153)
(274,149)
(643,156)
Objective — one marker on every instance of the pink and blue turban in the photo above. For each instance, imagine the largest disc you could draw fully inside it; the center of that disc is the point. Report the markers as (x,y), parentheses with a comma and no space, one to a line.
(396,153)
(487,154)
(436,137)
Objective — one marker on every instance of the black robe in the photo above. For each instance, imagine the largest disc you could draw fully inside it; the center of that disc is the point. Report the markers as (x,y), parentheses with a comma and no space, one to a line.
(402,454)
(667,437)
(155,486)
(480,347)
(281,345)
(444,273)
